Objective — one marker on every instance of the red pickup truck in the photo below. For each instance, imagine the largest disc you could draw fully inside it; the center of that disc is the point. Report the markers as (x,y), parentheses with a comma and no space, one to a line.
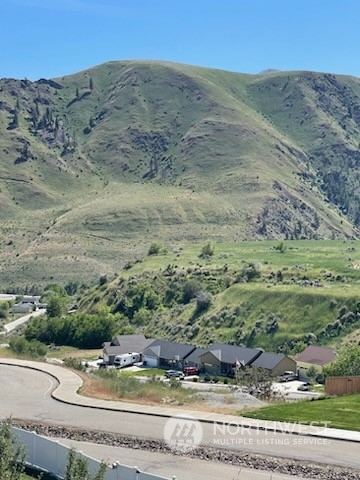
(191,371)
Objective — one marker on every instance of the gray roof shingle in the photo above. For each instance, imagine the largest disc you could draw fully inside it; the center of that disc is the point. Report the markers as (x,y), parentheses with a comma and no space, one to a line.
(268,360)
(168,350)
(127,344)
(233,353)
(316,355)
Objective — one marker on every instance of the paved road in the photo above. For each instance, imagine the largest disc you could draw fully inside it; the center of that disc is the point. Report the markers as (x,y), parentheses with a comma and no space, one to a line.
(27,394)
(16,323)
(7,296)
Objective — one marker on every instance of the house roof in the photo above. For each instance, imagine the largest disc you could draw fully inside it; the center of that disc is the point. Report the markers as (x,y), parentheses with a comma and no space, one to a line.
(196,354)
(233,353)
(23,306)
(30,298)
(268,360)
(168,350)
(316,355)
(127,343)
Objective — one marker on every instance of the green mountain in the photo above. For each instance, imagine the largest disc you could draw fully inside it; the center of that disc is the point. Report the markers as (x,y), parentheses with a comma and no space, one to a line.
(96,166)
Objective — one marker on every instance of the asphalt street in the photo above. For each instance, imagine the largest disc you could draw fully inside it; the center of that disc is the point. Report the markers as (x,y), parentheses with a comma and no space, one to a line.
(26,394)
(16,323)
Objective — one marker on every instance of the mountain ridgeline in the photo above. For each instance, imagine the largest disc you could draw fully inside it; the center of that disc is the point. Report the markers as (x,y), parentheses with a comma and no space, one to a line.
(95,166)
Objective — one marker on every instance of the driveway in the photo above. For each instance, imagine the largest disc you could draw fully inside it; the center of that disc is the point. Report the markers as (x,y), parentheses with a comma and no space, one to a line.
(4,297)
(289,390)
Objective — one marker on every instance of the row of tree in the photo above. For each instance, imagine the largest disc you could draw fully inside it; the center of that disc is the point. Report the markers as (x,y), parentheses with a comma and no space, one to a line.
(78,329)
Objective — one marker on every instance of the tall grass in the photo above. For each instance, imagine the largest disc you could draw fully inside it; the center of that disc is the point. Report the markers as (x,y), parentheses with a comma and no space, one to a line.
(153,390)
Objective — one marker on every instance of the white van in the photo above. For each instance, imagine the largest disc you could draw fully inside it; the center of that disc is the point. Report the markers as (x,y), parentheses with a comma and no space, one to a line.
(126,359)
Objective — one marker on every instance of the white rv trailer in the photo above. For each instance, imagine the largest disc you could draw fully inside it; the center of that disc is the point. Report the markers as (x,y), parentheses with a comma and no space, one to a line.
(126,359)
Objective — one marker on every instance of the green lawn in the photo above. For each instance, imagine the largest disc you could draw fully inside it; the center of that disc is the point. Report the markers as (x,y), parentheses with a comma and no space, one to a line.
(341,412)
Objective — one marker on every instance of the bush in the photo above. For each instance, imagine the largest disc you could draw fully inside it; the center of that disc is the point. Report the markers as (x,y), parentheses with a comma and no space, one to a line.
(207,250)
(32,348)
(190,290)
(174,383)
(203,301)
(155,249)
(281,247)
(75,363)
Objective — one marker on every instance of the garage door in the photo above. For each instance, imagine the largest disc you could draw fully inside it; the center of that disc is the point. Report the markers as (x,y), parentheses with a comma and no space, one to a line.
(151,361)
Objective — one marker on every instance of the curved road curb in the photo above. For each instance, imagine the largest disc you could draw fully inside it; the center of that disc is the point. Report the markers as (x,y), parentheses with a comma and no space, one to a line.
(69,383)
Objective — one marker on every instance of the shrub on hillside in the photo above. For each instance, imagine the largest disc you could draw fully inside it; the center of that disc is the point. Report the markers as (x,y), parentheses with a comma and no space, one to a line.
(207,250)
(203,301)
(155,249)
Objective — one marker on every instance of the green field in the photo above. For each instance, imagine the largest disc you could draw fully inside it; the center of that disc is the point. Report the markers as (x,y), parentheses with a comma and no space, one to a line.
(342,412)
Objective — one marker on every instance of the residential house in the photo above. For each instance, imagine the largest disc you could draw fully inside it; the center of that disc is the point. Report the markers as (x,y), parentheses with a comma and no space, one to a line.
(221,359)
(23,308)
(194,359)
(314,356)
(34,299)
(27,304)
(163,353)
(124,344)
(275,363)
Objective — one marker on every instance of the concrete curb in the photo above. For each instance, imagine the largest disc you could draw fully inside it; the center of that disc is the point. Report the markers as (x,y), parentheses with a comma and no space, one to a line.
(69,383)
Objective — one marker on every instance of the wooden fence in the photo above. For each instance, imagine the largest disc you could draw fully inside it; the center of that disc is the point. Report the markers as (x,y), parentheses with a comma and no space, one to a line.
(342,385)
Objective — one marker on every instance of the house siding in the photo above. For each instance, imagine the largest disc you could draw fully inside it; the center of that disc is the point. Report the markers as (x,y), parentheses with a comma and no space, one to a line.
(210,363)
(286,364)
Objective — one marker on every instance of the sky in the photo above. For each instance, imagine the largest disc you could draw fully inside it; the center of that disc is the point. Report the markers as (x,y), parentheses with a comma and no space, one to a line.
(52,38)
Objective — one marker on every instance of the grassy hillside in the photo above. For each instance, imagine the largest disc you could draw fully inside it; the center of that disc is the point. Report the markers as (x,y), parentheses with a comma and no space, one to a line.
(97,165)
(278,296)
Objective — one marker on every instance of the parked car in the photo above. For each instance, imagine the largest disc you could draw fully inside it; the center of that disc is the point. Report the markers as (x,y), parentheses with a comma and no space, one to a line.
(191,371)
(173,374)
(288,377)
(304,387)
